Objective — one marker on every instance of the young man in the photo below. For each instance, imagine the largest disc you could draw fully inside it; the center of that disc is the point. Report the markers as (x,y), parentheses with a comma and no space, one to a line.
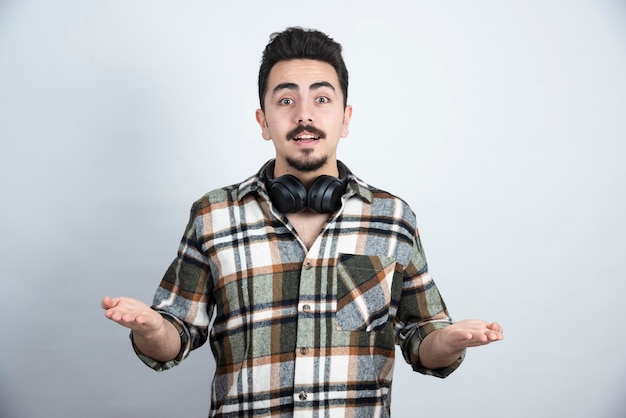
(313,275)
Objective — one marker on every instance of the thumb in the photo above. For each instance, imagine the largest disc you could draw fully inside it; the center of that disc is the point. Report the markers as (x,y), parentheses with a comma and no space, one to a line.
(107,302)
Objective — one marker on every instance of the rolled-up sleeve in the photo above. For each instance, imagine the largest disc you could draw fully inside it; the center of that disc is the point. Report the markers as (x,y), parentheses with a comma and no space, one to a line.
(185,346)
(184,297)
(420,312)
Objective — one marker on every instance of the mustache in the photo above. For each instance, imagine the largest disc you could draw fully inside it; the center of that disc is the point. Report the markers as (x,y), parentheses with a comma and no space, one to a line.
(308,128)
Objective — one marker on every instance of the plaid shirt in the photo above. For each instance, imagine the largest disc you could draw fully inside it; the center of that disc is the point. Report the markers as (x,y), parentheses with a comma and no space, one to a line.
(301,332)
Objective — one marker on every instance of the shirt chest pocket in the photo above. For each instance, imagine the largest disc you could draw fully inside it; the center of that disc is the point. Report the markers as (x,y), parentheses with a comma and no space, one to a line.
(364,291)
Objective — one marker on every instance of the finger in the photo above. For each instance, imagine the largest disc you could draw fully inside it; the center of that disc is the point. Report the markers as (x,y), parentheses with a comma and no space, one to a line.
(143,318)
(494,326)
(493,335)
(115,315)
(106,302)
(125,318)
(498,330)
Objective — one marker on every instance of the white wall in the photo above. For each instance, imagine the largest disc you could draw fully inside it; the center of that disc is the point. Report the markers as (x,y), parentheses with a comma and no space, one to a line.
(501,122)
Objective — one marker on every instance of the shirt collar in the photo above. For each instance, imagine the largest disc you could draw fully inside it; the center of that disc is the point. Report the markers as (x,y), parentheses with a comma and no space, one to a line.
(256,184)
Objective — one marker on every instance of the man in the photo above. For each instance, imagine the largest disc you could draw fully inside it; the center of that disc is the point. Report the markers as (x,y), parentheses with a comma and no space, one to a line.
(313,275)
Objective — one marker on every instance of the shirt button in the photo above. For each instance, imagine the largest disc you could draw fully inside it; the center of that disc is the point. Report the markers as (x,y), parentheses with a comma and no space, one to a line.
(308,265)
(303,396)
(306,308)
(304,351)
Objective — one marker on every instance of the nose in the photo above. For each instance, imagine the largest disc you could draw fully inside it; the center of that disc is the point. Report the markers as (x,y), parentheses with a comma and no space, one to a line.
(304,114)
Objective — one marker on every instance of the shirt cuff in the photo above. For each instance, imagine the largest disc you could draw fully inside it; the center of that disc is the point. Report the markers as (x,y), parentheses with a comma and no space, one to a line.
(410,342)
(185,346)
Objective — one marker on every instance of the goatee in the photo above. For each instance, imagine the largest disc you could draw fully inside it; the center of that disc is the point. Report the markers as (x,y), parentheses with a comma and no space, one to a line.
(307,165)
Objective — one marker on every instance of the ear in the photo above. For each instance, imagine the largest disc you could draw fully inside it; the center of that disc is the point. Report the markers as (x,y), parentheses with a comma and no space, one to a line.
(265,131)
(347,115)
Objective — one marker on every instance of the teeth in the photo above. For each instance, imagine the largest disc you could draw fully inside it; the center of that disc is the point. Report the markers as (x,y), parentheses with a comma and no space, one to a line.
(306,137)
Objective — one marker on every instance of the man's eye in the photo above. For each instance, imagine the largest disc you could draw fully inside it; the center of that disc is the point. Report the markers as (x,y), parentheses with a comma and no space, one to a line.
(286,102)
(323,99)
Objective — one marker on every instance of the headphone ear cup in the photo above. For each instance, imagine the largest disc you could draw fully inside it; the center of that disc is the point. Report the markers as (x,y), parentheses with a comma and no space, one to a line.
(287,193)
(325,193)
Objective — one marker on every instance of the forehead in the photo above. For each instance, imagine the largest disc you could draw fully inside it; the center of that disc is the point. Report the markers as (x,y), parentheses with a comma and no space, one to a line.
(302,72)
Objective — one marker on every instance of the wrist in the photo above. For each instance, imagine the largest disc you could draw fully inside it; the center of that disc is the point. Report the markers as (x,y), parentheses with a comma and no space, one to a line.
(156,334)
(437,351)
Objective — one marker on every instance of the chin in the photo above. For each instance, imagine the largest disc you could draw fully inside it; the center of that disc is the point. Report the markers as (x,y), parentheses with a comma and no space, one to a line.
(307,165)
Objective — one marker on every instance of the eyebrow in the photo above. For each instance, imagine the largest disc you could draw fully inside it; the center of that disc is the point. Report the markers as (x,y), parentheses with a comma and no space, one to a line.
(295,87)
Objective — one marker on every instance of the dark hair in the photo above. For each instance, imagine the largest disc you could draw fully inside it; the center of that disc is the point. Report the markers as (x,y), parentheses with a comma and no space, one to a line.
(298,43)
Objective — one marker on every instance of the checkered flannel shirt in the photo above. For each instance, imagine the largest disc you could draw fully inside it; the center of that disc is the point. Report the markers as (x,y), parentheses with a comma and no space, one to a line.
(301,332)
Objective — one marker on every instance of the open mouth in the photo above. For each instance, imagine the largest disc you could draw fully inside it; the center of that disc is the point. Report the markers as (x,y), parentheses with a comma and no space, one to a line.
(306,138)
(306,134)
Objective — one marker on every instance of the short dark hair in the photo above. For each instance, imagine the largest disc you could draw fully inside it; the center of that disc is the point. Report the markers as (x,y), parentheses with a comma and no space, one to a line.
(298,43)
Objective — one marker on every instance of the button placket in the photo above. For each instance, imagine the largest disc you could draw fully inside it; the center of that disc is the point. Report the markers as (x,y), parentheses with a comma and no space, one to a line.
(307,307)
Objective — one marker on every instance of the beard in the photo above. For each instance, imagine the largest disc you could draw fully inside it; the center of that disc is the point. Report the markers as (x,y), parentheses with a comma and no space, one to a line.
(307,164)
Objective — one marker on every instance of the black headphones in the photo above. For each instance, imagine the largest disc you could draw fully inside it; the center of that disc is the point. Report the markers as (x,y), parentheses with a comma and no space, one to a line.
(289,195)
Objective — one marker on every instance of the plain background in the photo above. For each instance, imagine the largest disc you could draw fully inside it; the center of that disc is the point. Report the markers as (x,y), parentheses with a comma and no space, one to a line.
(501,122)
